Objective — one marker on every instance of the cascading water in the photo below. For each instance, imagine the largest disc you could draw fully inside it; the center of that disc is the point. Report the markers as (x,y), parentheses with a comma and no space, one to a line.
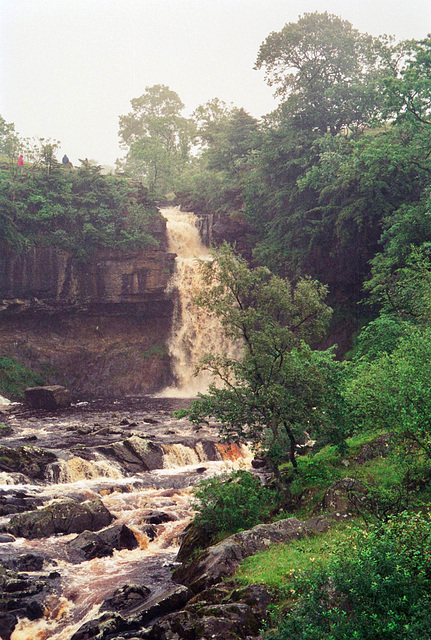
(90,464)
(195,331)
(97,458)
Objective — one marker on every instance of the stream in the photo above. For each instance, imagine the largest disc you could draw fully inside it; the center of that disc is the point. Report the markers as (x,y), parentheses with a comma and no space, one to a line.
(78,436)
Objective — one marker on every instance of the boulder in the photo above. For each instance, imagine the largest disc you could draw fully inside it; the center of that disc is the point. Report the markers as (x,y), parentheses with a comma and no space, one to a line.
(89,545)
(219,612)
(126,599)
(31,461)
(380,447)
(54,397)
(158,517)
(222,559)
(172,599)
(150,454)
(136,616)
(18,593)
(119,537)
(338,498)
(62,516)
(27,562)
(105,626)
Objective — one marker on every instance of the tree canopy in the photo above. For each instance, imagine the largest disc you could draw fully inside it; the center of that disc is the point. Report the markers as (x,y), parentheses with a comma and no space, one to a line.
(277,387)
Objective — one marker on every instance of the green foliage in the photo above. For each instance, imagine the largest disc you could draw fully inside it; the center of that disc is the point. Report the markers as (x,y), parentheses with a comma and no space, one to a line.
(279,388)
(157,138)
(77,210)
(393,391)
(15,377)
(215,182)
(325,69)
(377,587)
(232,502)
(277,566)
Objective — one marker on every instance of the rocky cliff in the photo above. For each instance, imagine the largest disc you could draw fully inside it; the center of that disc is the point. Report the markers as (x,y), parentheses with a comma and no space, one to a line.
(99,327)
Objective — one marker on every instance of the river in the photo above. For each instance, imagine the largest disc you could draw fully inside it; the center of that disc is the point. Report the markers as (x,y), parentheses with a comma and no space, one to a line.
(86,439)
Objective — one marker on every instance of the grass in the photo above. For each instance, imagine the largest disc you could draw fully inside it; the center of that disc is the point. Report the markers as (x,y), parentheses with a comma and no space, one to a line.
(15,377)
(277,566)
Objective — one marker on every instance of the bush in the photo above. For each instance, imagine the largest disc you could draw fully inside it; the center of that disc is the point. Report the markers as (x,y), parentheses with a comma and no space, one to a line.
(15,377)
(378,587)
(232,502)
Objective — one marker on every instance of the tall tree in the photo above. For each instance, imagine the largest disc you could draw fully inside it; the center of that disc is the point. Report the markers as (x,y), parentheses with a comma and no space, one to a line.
(157,138)
(278,387)
(322,67)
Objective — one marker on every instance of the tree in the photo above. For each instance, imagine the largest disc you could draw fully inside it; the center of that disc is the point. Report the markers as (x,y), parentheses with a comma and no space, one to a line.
(277,388)
(393,391)
(322,67)
(157,138)
(9,143)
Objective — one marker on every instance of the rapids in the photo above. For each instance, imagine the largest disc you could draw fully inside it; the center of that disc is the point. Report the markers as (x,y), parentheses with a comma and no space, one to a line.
(98,449)
(78,436)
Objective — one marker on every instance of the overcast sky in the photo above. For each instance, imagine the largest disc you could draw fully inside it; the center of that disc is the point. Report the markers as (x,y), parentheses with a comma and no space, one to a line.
(69,68)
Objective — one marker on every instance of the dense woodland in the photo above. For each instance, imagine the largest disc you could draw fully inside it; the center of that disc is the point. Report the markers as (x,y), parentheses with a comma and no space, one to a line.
(334,186)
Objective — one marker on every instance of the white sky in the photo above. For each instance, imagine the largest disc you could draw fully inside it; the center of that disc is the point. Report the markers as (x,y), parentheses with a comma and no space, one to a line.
(69,68)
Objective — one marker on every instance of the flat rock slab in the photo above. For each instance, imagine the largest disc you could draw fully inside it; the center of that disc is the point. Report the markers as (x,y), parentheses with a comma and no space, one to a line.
(222,560)
(54,397)
(63,516)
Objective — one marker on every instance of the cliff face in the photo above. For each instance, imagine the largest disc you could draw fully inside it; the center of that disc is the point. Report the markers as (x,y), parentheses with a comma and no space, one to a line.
(101,327)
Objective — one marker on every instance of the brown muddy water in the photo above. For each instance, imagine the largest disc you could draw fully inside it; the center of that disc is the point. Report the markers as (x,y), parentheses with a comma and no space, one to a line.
(80,437)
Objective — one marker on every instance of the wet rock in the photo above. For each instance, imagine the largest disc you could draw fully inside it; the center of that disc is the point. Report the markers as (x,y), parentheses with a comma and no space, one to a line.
(28,562)
(100,628)
(89,545)
(31,461)
(150,454)
(17,599)
(119,537)
(126,599)
(150,531)
(63,516)
(222,560)
(8,622)
(158,517)
(15,501)
(6,537)
(170,600)
(259,462)
(192,538)
(53,397)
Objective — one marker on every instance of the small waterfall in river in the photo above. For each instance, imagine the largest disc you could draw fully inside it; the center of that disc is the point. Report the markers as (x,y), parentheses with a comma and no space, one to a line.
(195,331)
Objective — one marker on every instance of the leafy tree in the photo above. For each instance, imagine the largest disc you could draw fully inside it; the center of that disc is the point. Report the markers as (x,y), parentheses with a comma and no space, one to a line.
(278,388)
(79,211)
(229,139)
(393,391)
(323,68)
(9,144)
(157,138)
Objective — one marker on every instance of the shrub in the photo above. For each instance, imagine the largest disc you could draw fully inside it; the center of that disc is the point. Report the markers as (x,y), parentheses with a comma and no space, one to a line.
(379,587)
(15,377)
(232,502)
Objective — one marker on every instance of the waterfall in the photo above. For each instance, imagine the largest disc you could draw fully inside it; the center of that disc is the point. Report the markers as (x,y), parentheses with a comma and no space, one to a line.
(195,331)
(4,401)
